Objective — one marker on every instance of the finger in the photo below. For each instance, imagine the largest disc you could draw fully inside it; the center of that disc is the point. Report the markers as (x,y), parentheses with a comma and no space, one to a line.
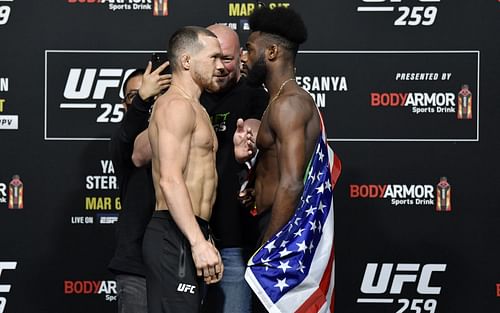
(240,124)
(165,76)
(148,68)
(199,272)
(162,67)
(211,271)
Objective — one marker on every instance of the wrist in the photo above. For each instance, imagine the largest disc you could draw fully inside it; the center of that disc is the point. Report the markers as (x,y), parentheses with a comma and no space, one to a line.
(196,239)
(144,95)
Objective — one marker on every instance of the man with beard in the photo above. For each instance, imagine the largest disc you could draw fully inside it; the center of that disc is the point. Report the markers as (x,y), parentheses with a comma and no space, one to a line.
(177,245)
(230,221)
(289,128)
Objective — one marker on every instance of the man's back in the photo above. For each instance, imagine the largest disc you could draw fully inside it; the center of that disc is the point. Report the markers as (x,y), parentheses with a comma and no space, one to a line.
(185,123)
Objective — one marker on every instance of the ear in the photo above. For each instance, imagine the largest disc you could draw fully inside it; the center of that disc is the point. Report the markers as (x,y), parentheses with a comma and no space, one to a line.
(272,52)
(186,61)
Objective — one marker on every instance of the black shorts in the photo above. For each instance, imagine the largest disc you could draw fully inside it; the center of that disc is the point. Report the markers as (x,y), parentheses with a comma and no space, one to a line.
(171,280)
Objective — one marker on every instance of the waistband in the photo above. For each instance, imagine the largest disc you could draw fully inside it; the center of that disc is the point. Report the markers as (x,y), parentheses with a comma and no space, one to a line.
(165,214)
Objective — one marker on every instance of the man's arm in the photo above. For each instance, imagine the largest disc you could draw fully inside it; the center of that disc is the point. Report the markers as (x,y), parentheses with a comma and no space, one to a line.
(142,150)
(288,122)
(175,124)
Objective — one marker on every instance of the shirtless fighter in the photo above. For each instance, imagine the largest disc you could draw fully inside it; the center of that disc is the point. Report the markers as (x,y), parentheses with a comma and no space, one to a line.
(177,246)
(290,125)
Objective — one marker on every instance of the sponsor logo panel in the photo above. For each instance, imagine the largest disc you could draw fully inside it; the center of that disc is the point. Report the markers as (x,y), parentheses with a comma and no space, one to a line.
(402,287)
(439,196)
(5,287)
(394,95)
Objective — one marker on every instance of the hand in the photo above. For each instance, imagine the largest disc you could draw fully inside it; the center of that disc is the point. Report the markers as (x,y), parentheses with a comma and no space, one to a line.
(208,261)
(153,83)
(244,142)
(247,197)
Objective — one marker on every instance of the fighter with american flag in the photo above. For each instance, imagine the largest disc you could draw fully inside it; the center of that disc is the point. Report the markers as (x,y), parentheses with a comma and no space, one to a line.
(295,172)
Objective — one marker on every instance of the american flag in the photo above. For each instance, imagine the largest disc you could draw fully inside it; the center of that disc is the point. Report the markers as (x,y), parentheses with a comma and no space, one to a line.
(294,270)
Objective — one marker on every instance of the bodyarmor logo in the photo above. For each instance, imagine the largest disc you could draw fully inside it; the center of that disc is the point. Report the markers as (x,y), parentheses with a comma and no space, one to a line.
(381,285)
(418,15)
(464,110)
(420,102)
(5,288)
(399,194)
(443,195)
(87,287)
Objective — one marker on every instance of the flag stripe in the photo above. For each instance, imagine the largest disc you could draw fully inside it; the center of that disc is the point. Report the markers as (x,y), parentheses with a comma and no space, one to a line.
(318,298)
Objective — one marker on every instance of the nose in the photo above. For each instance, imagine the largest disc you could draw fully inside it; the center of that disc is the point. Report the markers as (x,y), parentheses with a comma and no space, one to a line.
(244,56)
(219,66)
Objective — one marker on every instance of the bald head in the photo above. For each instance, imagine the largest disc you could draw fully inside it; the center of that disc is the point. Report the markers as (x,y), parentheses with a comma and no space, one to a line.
(230,46)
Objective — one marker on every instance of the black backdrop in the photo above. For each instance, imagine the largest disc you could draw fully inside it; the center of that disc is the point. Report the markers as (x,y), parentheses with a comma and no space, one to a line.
(62,64)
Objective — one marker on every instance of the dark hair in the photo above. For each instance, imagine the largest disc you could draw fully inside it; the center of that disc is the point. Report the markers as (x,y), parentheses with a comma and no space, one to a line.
(185,38)
(282,25)
(137,72)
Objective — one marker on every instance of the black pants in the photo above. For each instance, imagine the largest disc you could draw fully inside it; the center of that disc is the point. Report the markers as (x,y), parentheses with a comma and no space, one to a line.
(171,280)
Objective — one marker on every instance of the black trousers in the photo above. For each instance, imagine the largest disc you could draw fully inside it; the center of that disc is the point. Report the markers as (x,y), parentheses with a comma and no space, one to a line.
(171,280)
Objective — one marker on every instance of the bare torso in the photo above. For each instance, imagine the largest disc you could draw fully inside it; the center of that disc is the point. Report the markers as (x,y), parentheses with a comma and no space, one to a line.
(272,134)
(199,173)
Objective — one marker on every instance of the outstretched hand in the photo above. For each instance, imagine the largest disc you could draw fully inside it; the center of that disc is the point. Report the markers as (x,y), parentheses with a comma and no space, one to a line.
(244,142)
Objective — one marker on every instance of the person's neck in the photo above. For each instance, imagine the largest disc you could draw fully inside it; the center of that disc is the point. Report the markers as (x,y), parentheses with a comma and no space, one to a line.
(186,86)
(276,77)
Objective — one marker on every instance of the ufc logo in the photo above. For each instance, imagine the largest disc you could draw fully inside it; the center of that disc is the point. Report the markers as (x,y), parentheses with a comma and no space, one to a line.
(412,274)
(107,78)
(186,288)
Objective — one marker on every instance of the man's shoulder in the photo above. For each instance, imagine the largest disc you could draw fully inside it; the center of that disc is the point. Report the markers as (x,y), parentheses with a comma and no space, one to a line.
(173,103)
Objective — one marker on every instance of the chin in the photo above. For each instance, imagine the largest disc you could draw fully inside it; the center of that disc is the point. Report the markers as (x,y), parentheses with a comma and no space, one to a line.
(213,87)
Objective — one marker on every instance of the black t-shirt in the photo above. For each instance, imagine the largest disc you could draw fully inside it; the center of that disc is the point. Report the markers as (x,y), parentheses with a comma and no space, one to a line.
(136,192)
(229,219)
